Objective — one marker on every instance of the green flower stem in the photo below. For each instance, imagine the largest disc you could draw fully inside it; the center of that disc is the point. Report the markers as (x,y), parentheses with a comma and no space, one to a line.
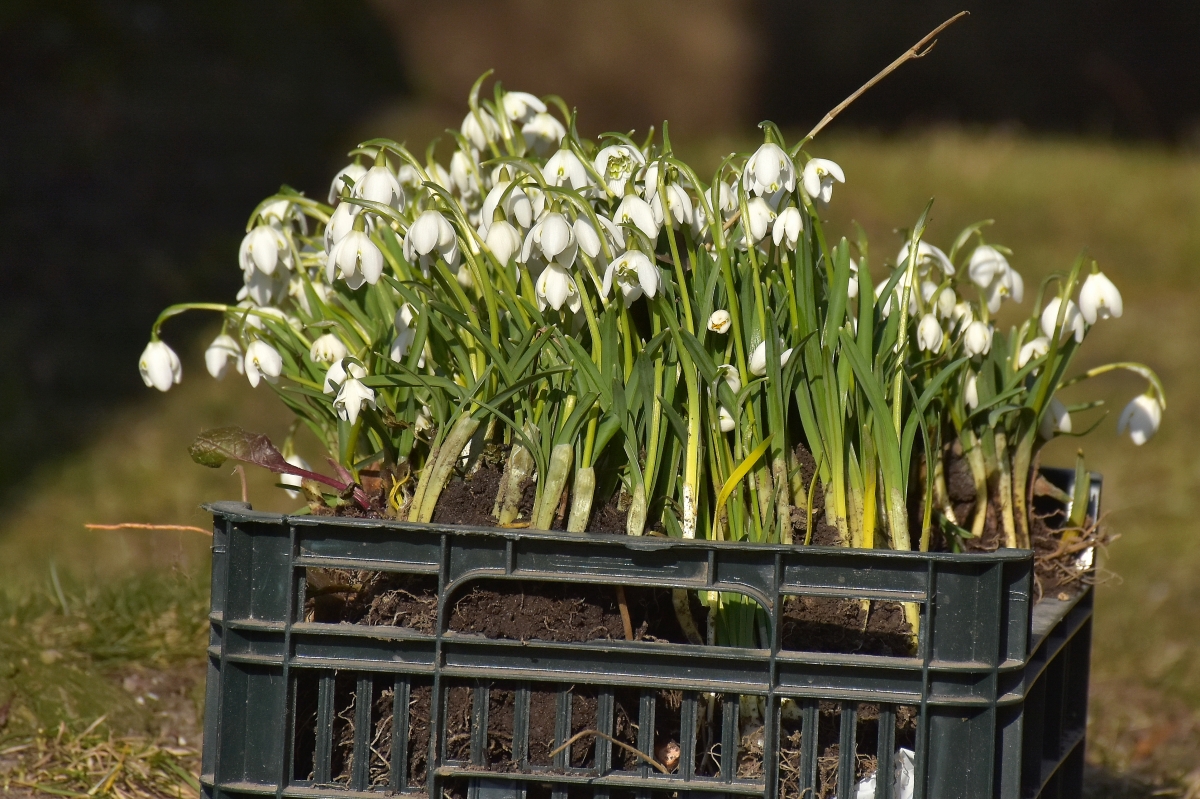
(175,310)
(440,470)
(562,458)
(520,467)
(581,499)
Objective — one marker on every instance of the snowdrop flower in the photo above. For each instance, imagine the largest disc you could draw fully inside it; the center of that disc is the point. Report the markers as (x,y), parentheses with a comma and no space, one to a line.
(618,164)
(463,175)
(480,128)
(380,185)
(159,366)
(929,333)
(727,199)
(542,133)
(518,205)
(263,362)
(963,314)
(522,106)
(1099,299)
(758,219)
(565,169)
(586,237)
(296,290)
(405,332)
(263,248)
(852,287)
(635,211)
(634,274)
(971,392)
(503,240)
(431,236)
(819,175)
(1141,417)
(553,239)
(1034,349)
(977,339)
(358,258)
(679,203)
(725,420)
(928,257)
(337,373)
(729,373)
(556,288)
(341,222)
(1072,319)
(947,300)
(1006,285)
(294,480)
(223,351)
(758,358)
(720,321)
(354,172)
(1055,419)
(786,230)
(986,263)
(327,349)
(769,171)
(351,398)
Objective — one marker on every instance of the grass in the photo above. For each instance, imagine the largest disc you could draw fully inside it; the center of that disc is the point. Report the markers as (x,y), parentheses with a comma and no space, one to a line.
(1134,208)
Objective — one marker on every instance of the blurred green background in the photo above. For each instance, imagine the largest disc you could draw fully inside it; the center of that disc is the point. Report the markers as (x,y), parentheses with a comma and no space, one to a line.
(138,136)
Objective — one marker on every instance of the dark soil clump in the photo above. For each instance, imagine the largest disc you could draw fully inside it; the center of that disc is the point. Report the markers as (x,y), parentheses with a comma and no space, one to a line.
(372,598)
(849,626)
(469,500)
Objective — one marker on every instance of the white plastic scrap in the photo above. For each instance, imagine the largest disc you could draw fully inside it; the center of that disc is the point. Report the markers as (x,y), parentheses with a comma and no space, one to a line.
(905,779)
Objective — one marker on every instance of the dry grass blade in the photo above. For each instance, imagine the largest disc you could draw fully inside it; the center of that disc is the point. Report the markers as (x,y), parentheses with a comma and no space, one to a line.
(139,526)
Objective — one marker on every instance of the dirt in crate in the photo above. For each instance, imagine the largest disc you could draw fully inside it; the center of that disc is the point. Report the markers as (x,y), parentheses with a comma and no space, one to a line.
(849,626)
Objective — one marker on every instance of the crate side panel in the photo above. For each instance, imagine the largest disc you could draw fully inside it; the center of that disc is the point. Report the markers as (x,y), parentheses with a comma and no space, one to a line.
(854,572)
(258,566)
(966,617)
(418,550)
(535,558)
(252,720)
(959,756)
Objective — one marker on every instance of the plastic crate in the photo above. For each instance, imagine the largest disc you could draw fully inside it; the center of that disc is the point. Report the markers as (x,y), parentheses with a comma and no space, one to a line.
(997,688)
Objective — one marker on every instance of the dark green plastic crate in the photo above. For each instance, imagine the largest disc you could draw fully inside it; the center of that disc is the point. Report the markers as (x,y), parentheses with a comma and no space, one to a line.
(999,682)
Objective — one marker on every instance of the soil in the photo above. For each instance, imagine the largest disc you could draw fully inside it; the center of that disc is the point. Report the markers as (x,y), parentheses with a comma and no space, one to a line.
(823,624)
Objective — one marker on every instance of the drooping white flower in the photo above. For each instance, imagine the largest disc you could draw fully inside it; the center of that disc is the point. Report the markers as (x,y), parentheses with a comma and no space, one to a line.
(223,351)
(294,480)
(463,172)
(430,237)
(971,392)
(263,362)
(1099,299)
(351,398)
(354,172)
(264,248)
(1072,319)
(358,258)
(480,128)
(586,237)
(1141,417)
(543,133)
(977,339)
(758,358)
(819,175)
(786,229)
(1033,349)
(522,106)
(618,164)
(283,213)
(1055,419)
(852,286)
(929,333)
(963,314)
(565,169)
(503,240)
(159,366)
(728,373)
(634,274)
(341,222)
(553,240)
(946,302)
(928,257)
(337,373)
(406,331)
(555,288)
(679,210)
(381,186)
(1005,285)
(758,218)
(725,420)
(986,263)
(769,171)
(296,289)
(518,207)
(635,211)
(720,321)
(327,349)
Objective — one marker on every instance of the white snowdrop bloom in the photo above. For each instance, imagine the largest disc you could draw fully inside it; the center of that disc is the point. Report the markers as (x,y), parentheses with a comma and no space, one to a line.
(819,175)
(296,290)
(264,248)
(358,258)
(555,288)
(720,321)
(613,232)
(1099,299)
(410,181)
(294,480)
(587,237)
(381,186)
(852,287)
(351,398)
(327,349)
(337,373)
(503,240)
(431,236)
(354,172)
(725,420)
(1072,319)
(263,362)
(1034,349)
(552,239)
(438,174)
(928,257)
(635,211)
(971,391)
(986,263)
(1141,417)
(634,275)
(729,374)
(945,302)
(619,164)
(406,331)
(1055,419)
(758,358)
(929,333)
(543,133)
(727,199)
(679,202)
(522,106)
(463,175)
(769,171)
(480,128)
(223,351)
(786,229)
(282,213)
(518,206)
(977,339)
(758,219)
(159,366)
(1006,285)
(341,222)
(565,169)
